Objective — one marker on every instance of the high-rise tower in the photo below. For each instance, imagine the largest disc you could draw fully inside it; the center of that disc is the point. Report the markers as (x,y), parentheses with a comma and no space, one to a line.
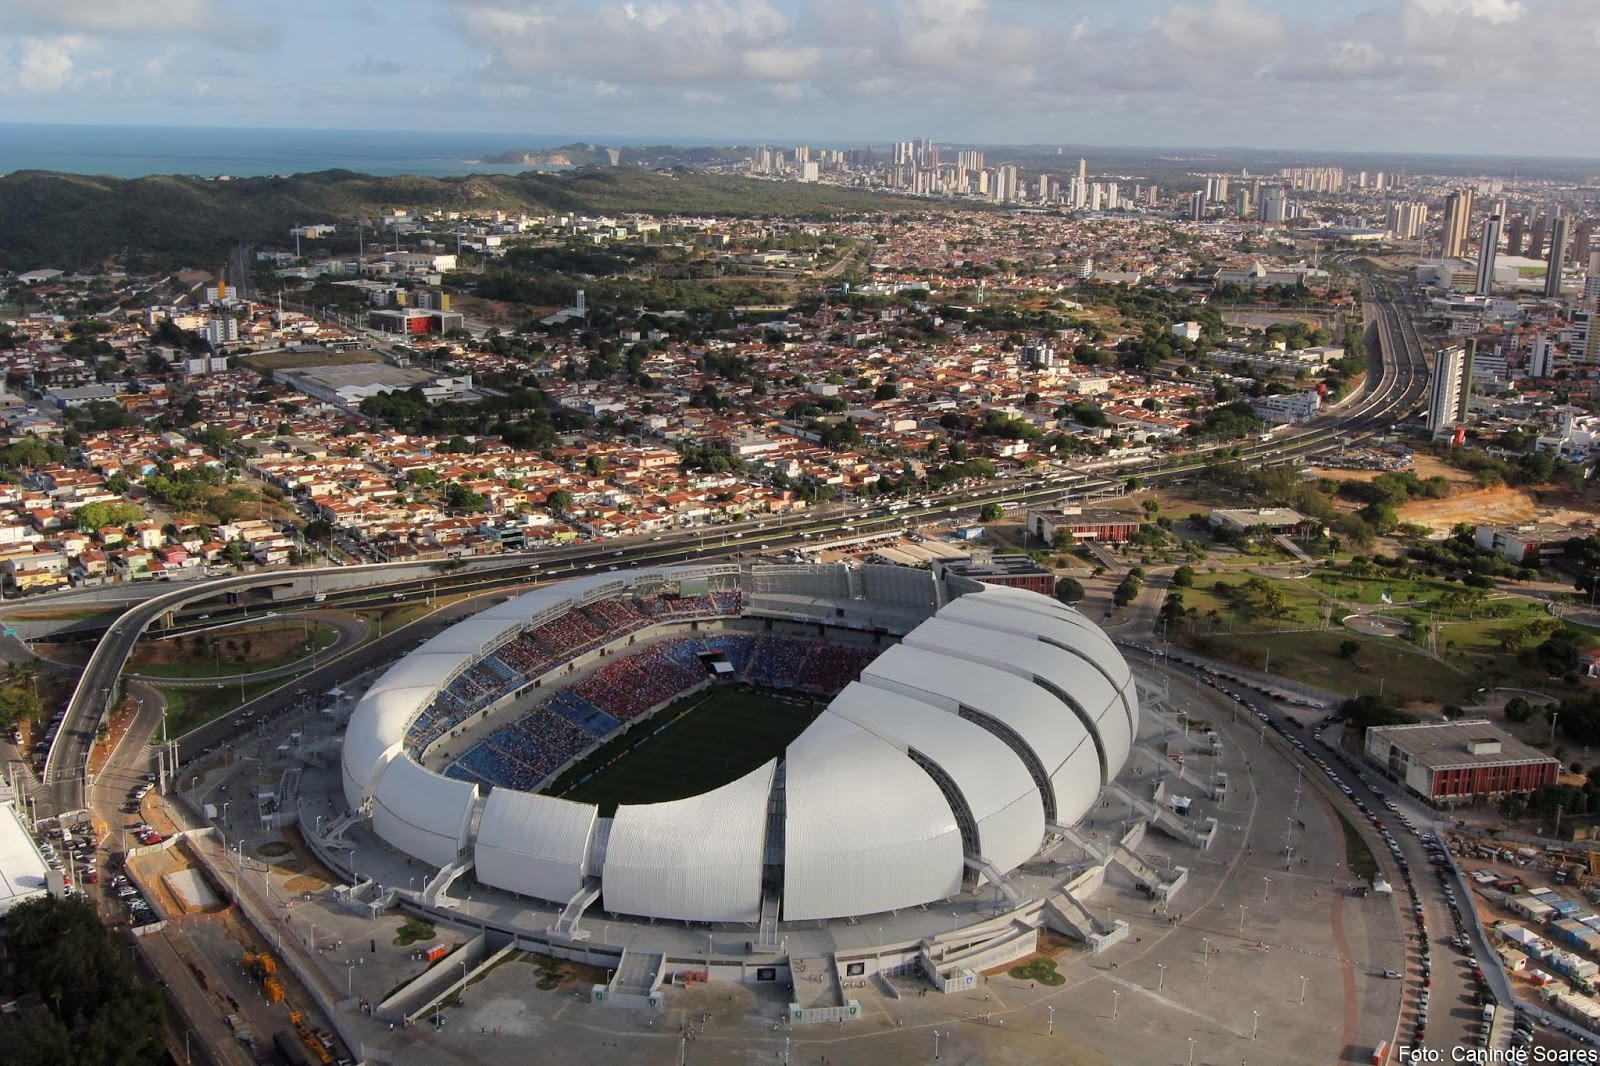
(1558,256)
(1487,248)
(1457,222)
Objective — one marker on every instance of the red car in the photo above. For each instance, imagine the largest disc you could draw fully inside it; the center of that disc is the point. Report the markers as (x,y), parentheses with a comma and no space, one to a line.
(92,877)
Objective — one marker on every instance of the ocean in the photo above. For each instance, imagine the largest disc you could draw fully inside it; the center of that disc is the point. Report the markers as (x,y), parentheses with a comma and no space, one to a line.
(206,151)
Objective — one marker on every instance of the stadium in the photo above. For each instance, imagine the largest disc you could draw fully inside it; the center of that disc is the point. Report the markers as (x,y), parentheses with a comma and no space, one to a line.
(818,742)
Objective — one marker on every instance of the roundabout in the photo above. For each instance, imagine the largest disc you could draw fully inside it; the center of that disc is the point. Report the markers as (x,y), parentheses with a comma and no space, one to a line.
(1375,625)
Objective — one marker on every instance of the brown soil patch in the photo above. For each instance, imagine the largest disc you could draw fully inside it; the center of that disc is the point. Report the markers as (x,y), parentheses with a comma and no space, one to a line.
(151,872)
(1424,466)
(268,643)
(310,869)
(303,883)
(66,654)
(1497,506)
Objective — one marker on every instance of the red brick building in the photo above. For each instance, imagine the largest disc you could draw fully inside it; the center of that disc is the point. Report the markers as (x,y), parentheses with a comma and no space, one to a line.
(1108,527)
(1452,763)
(1016,571)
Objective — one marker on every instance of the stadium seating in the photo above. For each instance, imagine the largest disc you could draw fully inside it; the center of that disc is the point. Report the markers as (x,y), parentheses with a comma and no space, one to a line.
(525,753)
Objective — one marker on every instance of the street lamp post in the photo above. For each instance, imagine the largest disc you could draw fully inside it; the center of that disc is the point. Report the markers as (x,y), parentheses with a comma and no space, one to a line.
(1266,887)
(1051,1021)
(1116,998)
(1241,919)
(936,1045)
(1255,1024)
(1207,956)
(1191,1051)
(1302,990)
(1161,979)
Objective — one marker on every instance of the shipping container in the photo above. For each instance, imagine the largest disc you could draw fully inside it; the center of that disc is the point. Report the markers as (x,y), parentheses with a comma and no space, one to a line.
(437,952)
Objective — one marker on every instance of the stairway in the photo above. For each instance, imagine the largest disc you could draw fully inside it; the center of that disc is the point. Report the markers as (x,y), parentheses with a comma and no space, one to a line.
(767,936)
(997,879)
(440,882)
(567,924)
(1071,917)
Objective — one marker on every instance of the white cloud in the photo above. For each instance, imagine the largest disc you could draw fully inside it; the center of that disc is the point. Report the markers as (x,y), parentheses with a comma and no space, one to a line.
(1496,11)
(108,17)
(46,66)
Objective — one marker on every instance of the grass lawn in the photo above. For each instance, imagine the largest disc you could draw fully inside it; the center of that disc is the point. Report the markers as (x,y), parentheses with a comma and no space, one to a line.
(204,663)
(1357,856)
(703,741)
(1371,590)
(190,708)
(1208,594)
(1383,663)
(389,619)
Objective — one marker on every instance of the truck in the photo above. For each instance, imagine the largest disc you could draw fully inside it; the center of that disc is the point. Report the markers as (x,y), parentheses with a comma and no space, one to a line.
(290,1048)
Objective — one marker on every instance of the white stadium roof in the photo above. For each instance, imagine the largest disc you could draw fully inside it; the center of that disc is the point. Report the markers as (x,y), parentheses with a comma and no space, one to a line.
(422,813)
(534,845)
(992,780)
(1034,616)
(951,721)
(1087,689)
(865,830)
(698,859)
(1055,737)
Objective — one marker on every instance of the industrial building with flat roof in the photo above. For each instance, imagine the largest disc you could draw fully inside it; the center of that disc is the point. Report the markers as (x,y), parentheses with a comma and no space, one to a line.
(1277,519)
(23,873)
(1100,524)
(1449,763)
(1013,571)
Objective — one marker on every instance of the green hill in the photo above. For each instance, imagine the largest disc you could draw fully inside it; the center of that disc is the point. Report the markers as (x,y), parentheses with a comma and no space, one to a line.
(74,221)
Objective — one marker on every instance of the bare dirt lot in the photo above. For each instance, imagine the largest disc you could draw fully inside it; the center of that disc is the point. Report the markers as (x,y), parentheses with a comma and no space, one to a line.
(285,360)
(1424,466)
(267,642)
(1498,506)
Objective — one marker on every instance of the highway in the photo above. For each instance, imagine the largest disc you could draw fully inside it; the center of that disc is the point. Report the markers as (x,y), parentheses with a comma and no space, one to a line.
(1396,380)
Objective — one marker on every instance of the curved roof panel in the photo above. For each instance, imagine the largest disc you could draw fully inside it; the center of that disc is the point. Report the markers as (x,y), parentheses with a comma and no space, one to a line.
(534,845)
(471,637)
(377,728)
(865,828)
(1032,615)
(422,813)
(697,859)
(1057,738)
(1082,684)
(992,780)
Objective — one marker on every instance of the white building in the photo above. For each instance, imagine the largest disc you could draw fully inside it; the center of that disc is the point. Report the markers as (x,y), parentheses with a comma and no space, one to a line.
(1450,389)
(1290,407)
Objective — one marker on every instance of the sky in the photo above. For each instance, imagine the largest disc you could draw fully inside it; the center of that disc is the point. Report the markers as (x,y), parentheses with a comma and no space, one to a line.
(1489,77)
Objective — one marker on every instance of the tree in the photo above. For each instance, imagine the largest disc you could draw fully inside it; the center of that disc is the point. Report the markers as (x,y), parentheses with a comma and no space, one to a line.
(1518,709)
(992,512)
(1127,591)
(1069,590)
(1349,649)
(18,705)
(558,500)
(94,516)
(1171,613)
(97,1010)
(1183,577)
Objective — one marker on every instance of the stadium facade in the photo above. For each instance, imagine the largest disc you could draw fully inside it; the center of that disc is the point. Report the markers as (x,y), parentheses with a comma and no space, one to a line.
(991,718)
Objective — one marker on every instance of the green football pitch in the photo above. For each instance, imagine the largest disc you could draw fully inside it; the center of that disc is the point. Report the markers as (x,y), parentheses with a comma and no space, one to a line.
(705,740)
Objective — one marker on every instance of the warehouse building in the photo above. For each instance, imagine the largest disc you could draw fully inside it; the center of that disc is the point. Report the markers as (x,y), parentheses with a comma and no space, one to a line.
(1452,763)
(1106,526)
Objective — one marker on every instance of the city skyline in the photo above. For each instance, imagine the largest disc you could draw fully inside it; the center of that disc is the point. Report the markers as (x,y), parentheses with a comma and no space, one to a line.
(1347,75)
